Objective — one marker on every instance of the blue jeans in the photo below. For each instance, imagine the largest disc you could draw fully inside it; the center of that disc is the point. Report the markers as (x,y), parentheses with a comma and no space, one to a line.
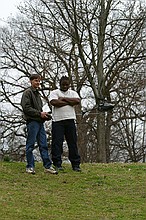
(36,133)
(67,129)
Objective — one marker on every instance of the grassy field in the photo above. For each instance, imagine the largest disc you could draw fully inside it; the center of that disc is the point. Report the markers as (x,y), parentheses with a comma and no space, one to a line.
(100,192)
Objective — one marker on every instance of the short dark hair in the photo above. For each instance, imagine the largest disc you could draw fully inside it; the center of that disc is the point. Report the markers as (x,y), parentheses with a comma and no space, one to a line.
(35,76)
(64,78)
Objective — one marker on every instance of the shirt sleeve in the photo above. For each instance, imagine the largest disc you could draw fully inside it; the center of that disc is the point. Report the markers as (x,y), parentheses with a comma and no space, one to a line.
(53,95)
(75,94)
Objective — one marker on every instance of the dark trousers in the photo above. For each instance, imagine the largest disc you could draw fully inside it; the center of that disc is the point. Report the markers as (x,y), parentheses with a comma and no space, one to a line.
(67,129)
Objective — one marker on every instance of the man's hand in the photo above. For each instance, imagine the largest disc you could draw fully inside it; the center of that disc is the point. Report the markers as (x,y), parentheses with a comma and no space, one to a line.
(44,115)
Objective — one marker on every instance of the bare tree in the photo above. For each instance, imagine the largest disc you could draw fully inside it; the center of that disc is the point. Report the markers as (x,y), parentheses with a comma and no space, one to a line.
(99,44)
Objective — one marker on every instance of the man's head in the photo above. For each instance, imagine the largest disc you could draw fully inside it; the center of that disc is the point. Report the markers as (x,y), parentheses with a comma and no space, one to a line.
(35,80)
(64,83)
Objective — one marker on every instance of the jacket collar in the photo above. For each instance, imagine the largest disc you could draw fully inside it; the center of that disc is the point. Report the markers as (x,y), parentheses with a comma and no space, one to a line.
(34,90)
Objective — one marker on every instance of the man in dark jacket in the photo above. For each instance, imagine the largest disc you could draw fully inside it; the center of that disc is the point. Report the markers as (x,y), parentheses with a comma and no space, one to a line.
(32,108)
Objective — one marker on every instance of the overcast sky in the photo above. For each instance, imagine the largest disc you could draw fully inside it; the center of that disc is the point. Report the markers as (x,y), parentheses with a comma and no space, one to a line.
(8,8)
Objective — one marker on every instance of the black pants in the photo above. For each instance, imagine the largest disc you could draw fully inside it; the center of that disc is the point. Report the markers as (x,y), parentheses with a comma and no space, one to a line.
(67,129)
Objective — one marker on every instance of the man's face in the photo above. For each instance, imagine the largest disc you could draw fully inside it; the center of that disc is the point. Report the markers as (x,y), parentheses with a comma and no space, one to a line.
(35,83)
(64,85)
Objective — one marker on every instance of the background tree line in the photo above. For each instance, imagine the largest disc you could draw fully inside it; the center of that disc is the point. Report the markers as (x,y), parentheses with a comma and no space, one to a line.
(100,45)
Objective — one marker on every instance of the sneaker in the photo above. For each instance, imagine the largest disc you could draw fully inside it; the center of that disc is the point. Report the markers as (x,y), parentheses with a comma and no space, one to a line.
(76,168)
(51,170)
(59,168)
(30,170)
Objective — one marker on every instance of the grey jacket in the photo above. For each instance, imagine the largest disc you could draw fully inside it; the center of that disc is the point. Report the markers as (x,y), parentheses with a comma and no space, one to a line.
(32,105)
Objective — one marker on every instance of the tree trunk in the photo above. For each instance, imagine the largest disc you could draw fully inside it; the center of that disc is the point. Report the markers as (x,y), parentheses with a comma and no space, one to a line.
(107,135)
(81,132)
(101,138)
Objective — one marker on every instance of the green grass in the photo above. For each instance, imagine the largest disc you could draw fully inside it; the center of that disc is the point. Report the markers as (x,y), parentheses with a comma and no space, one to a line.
(100,192)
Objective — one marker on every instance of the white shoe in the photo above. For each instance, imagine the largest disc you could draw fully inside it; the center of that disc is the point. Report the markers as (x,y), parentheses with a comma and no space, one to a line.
(51,170)
(30,170)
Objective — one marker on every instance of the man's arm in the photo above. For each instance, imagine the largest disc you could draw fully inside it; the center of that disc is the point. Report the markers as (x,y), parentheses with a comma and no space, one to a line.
(71,101)
(60,102)
(28,107)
